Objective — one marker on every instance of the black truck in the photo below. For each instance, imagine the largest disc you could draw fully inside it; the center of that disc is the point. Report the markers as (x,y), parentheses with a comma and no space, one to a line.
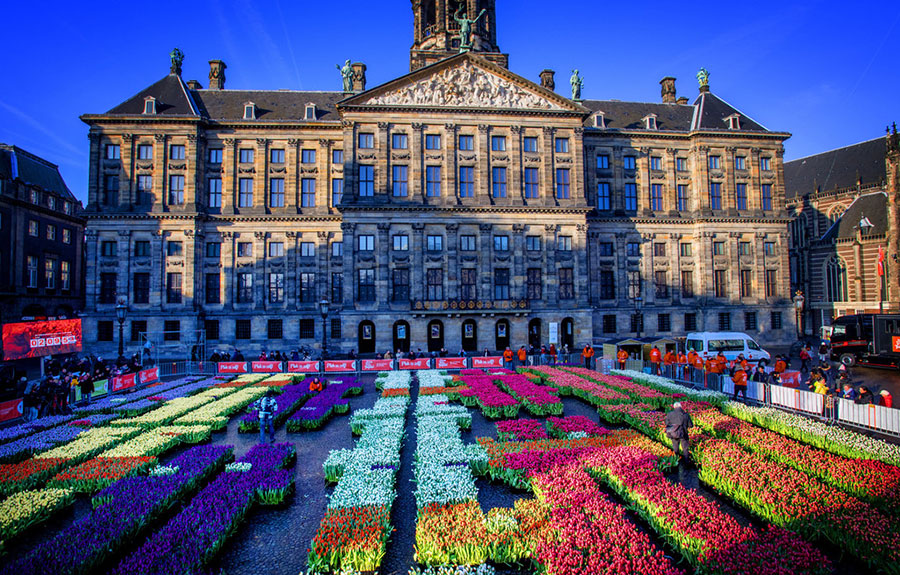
(867,339)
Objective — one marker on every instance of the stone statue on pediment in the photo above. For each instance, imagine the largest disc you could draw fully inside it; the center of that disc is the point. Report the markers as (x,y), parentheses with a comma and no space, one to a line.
(177,58)
(465,28)
(577,83)
(346,75)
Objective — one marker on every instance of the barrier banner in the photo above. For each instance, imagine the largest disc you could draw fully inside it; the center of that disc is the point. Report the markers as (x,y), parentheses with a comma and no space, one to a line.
(100,388)
(487,362)
(303,366)
(11,409)
(791,379)
(231,367)
(149,375)
(450,363)
(376,365)
(124,382)
(420,363)
(265,366)
(339,365)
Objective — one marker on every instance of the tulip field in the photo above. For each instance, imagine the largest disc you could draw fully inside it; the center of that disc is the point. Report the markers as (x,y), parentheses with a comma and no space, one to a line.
(556,471)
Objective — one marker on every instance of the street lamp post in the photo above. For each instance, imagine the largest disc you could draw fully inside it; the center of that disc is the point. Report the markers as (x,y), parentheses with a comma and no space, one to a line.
(121,308)
(323,309)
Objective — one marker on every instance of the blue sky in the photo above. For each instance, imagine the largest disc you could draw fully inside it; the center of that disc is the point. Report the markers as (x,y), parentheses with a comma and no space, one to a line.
(825,71)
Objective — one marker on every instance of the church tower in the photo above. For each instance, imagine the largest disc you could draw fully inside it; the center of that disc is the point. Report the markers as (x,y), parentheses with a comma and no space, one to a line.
(438,25)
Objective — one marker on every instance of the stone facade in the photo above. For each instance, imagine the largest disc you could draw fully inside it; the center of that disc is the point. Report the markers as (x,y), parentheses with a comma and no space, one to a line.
(459,200)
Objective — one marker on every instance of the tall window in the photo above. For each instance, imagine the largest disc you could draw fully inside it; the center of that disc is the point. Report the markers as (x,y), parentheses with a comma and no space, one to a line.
(432,141)
(176,190)
(307,287)
(145,152)
(65,275)
(276,288)
(174,249)
(365,243)
(718,248)
(714,162)
(655,163)
(466,181)
(498,182)
(245,193)
(687,283)
(107,282)
(245,287)
(467,243)
(112,151)
(213,250)
(276,249)
(173,287)
(275,328)
(307,156)
(366,181)
(566,283)
(533,243)
(401,243)
(400,181)
(562,145)
(246,155)
(276,156)
(337,287)
(715,196)
(337,157)
(107,248)
(562,183)
(366,285)
(605,249)
(337,191)
(501,243)
(307,328)
(776,320)
(31,265)
(609,324)
(719,286)
(531,183)
(307,249)
(242,329)
(607,284)
(533,284)
(467,284)
(836,280)
(34,229)
(215,155)
(141,248)
(630,197)
(400,285)
(724,321)
(603,162)
(656,200)
(750,323)
(434,284)
(466,143)
(633,249)
(663,322)
(111,191)
(144,190)
(308,193)
(744,248)
(662,285)
(434,243)
(141,288)
(690,322)
(604,201)
(628,162)
(176,152)
(681,197)
(214,192)
(50,273)
(746,283)
(212,288)
(501,283)
(529,144)
(740,196)
(432,181)
(276,192)
(564,243)
(681,164)
(337,249)
(771,283)
(245,249)
(766,197)
(498,143)
(740,163)
(366,141)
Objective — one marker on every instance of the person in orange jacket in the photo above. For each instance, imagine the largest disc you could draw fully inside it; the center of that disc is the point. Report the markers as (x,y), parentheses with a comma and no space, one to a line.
(780,366)
(507,358)
(740,384)
(697,361)
(721,362)
(655,359)
(315,385)
(681,360)
(622,356)
(523,356)
(588,354)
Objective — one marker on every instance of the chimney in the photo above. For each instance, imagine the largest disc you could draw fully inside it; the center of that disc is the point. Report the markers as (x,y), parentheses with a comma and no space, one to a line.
(359,77)
(682,101)
(217,75)
(547,80)
(194,85)
(668,90)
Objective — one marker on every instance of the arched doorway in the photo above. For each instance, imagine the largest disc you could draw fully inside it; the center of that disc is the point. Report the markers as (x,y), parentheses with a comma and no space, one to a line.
(568,333)
(435,335)
(534,333)
(470,335)
(366,338)
(501,334)
(401,336)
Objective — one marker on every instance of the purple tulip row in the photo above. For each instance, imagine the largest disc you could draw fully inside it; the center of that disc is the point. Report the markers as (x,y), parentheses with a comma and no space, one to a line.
(178,387)
(288,402)
(23,429)
(126,508)
(23,448)
(197,533)
(94,420)
(319,409)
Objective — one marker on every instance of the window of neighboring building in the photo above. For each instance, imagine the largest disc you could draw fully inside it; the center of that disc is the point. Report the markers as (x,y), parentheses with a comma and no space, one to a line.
(245,287)
(687,283)
(307,249)
(633,249)
(467,283)
(740,163)
(246,155)
(467,243)
(498,143)
(432,141)
(276,288)
(245,193)
(604,199)
(534,284)
(337,157)
(720,288)
(107,283)
(531,183)
(766,196)
(434,284)
(308,193)
(466,181)
(276,156)
(366,243)
(176,190)
(111,190)
(212,288)
(215,155)
(566,283)
(400,181)
(690,322)
(529,144)
(366,141)
(174,248)
(366,285)
(337,287)
(746,283)
(276,249)
(533,243)
(765,163)
(603,162)
(242,329)
(607,285)
(307,156)
(501,243)
(176,152)
(562,183)
(213,250)
(740,196)
(366,181)
(836,280)
(724,321)
(141,293)
(173,287)
(630,197)
(104,330)
(307,328)
(609,324)
(662,284)
(50,273)
(399,142)
(112,151)
(276,192)
(434,243)
(245,249)
(51,232)
(337,191)
(400,285)
(714,162)
(562,145)
(337,249)
(401,242)
(656,197)
(466,143)
(605,249)
(145,152)
(498,182)
(776,320)
(663,322)
(681,197)
(771,283)
(65,275)
(715,196)
(501,284)
(564,243)
(275,328)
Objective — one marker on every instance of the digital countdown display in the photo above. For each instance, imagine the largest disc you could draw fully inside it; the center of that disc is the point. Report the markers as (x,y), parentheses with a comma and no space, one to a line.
(40,338)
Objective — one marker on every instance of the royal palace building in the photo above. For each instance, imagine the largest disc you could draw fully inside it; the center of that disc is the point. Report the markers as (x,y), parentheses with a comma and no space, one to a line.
(458,206)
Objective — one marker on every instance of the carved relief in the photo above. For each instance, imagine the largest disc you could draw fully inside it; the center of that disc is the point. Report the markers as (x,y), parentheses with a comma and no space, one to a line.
(246,170)
(177,166)
(309,170)
(160,138)
(260,235)
(325,143)
(436,157)
(563,160)
(464,85)
(369,156)
(400,156)
(532,159)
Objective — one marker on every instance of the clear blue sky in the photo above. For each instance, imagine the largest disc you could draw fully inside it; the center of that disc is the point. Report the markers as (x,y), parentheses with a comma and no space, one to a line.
(828,71)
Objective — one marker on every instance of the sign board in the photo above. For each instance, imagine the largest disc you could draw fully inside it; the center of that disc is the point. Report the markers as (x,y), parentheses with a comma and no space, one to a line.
(100,388)
(231,367)
(450,363)
(40,338)
(124,382)
(11,409)
(420,363)
(265,366)
(375,365)
(339,365)
(303,366)
(895,343)
(149,375)
(478,362)
(554,332)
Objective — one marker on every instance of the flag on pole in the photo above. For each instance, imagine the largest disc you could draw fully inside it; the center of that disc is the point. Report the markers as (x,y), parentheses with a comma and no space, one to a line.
(880,260)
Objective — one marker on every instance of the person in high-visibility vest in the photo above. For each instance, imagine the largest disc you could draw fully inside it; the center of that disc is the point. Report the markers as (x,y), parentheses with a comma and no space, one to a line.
(523,356)
(622,356)
(507,358)
(721,362)
(588,355)
(780,365)
(315,385)
(681,360)
(669,361)
(655,359)
(740,384)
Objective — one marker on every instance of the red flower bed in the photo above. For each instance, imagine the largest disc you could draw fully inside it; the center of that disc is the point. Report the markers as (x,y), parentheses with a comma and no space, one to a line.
(97,473)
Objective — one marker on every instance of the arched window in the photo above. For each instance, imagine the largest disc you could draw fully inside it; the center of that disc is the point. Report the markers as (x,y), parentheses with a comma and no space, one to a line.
(836,280)
(835,214)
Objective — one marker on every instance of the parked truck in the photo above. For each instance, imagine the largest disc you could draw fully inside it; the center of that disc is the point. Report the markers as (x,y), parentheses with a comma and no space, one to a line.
(867,339)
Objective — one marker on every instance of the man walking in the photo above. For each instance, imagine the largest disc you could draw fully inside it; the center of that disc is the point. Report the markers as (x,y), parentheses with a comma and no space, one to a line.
(588,355)
(266,407)
(678,421)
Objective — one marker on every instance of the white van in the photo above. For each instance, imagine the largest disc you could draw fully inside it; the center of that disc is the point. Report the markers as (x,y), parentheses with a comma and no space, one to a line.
(730,343)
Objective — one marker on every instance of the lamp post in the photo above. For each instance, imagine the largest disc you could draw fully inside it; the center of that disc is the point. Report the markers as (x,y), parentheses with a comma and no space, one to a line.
(121,308)
(323,309)
(798,306)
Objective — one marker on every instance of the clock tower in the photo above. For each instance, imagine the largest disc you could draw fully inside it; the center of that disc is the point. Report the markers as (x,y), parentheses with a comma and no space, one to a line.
(440,29)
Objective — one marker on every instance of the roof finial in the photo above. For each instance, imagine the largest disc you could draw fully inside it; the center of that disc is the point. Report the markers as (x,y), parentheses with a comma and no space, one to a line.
(177,57)
(703,79)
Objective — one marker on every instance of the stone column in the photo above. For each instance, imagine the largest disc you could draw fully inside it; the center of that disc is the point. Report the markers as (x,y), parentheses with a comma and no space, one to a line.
(261,175)
(191,173)
(229,176)
(160,173)
(349,237)
(452,261)
(483,166)
(417,269)
(514,174)
(383,265)
(416,165)
(486,261)
(450,167)
(127,177)
(548,175)
(383,167)
(94,160)
(228,274)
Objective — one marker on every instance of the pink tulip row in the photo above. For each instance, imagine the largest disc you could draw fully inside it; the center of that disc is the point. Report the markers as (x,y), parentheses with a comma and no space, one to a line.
(704,533)
(537,399)
(520,430)
(589,534)
(620,383)
(571,384)
(574,424)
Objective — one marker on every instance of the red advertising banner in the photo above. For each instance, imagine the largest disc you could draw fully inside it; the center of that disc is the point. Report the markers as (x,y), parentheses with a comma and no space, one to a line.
(303,366)
(124,382)
(487,362)
(231,367)
(337,366)
(40,338)
(895,343)
(420,363)
(11,409)
(450,363)
(265,366)
(149,375)
(375,365)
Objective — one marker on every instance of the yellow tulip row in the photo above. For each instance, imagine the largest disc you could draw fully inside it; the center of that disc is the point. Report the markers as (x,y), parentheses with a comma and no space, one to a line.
(23,509)
(89,443)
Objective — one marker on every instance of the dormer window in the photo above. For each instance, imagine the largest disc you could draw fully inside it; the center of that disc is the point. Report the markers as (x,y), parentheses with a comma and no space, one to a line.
(734,122)
(310,113)
(650,122)
(249,111)
(600,120)
(150,106)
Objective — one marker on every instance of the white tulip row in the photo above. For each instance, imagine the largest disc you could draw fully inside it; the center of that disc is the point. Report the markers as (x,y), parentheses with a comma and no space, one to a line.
(671,386)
